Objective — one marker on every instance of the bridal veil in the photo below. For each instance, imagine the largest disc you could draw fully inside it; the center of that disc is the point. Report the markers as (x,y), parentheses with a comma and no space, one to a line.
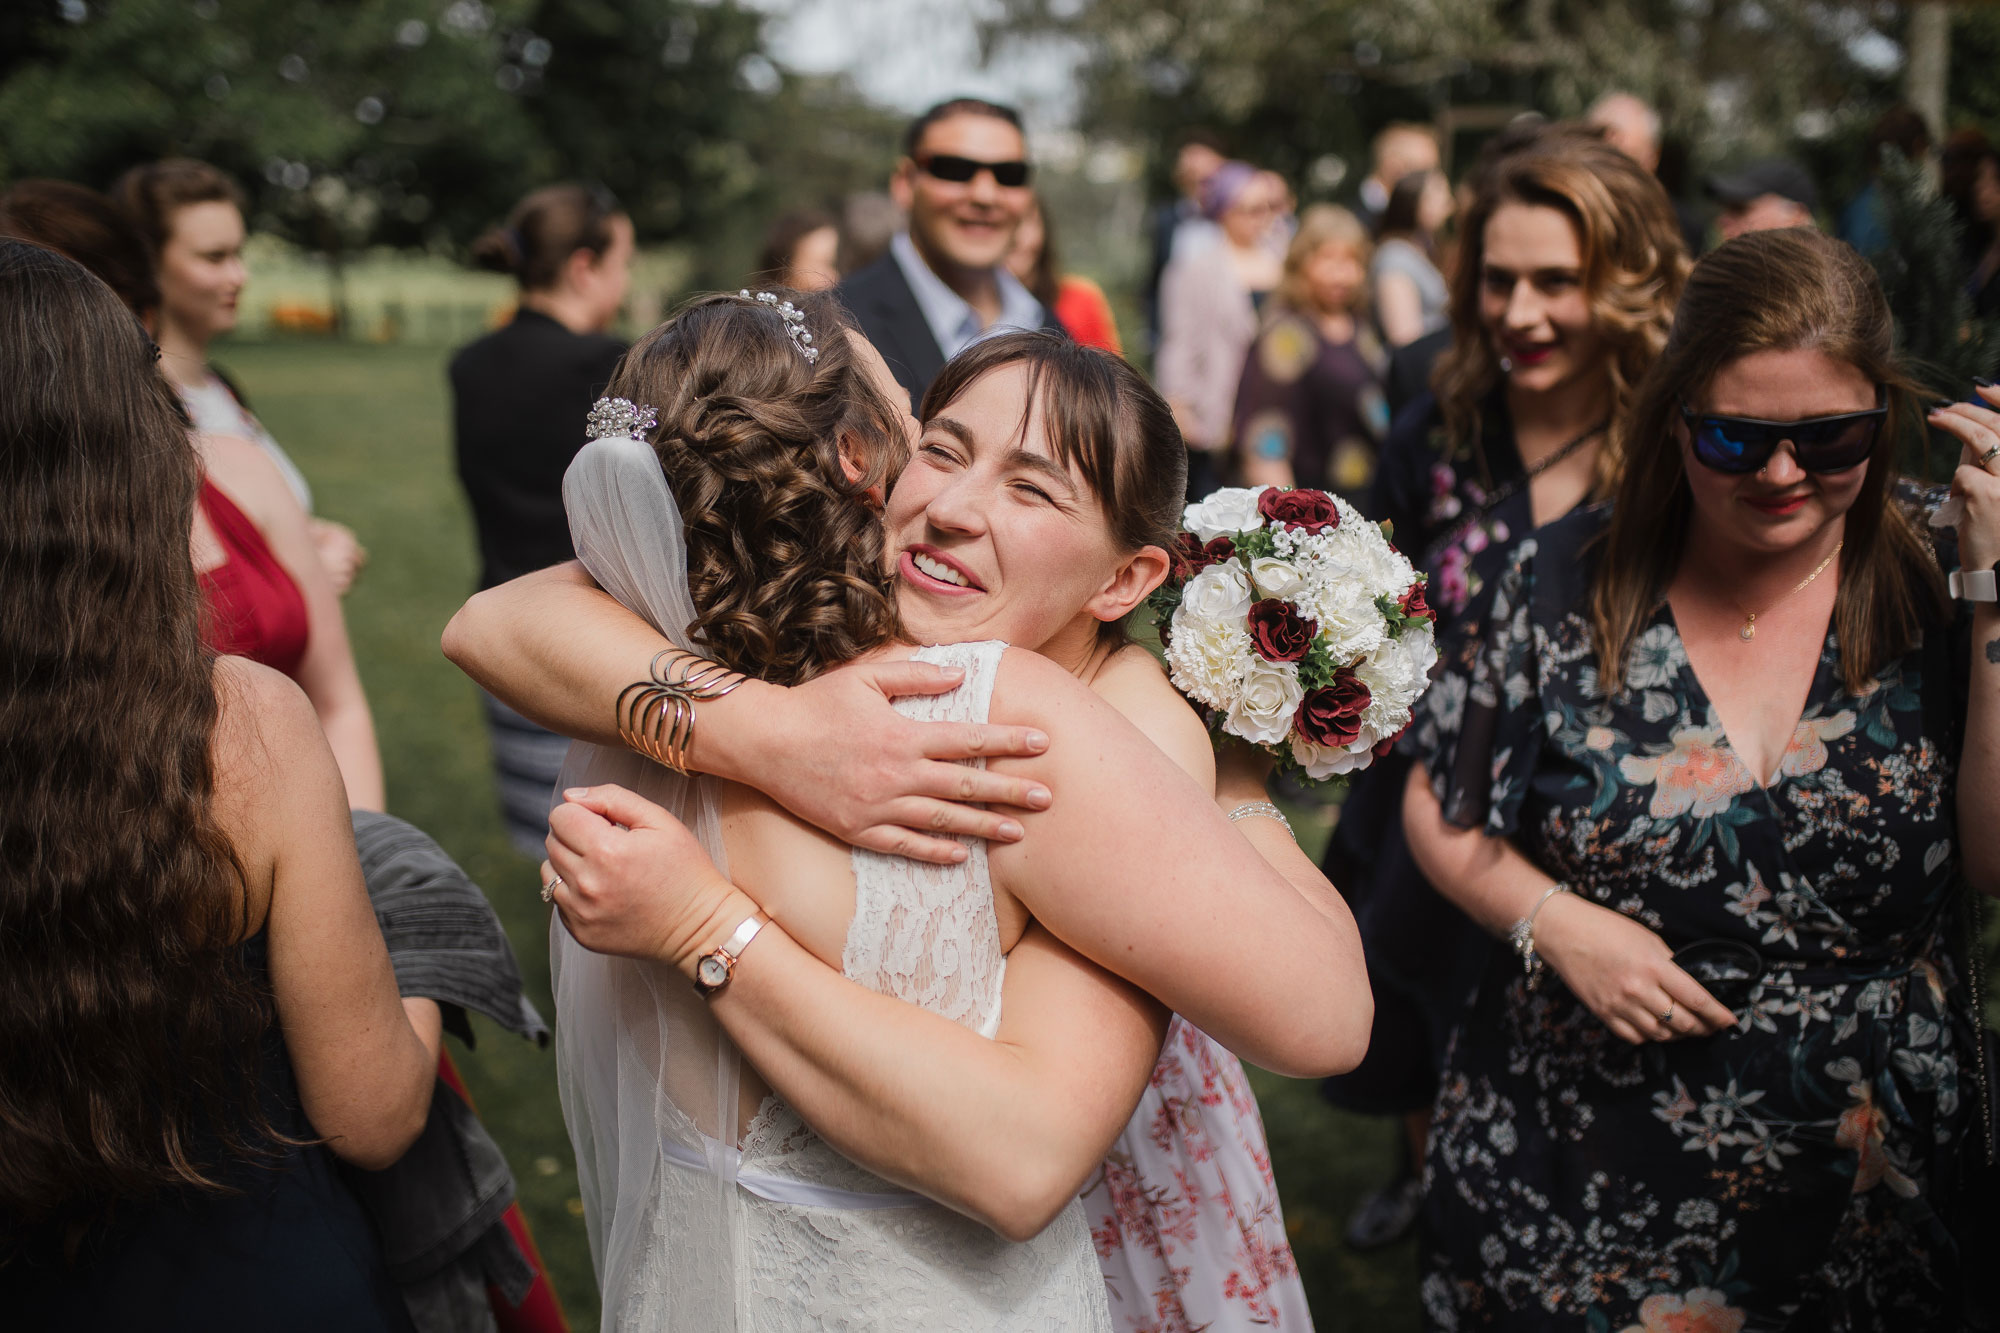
(649,1082)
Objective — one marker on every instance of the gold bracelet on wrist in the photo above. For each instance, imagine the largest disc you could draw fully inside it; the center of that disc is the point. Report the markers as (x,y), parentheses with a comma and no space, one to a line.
(656,715)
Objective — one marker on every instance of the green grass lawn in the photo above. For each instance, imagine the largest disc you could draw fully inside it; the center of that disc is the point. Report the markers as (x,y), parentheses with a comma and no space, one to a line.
(370,426)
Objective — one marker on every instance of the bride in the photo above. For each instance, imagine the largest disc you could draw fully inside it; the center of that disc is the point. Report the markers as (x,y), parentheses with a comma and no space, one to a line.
(1001,1113)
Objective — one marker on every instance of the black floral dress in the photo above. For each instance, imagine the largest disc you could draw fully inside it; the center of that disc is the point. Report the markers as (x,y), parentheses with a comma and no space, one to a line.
(1785,1173)
(1455,507)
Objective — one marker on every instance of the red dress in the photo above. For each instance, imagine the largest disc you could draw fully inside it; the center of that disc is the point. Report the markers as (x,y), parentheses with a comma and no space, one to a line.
(1083,310)
(254,606)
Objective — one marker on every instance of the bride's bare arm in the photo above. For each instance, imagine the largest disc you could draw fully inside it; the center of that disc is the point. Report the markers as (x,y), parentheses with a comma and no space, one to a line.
(1004,1130)
(557,649)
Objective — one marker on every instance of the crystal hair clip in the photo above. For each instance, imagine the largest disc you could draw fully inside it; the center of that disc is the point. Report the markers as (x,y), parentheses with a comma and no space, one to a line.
(795,321)
(619,418)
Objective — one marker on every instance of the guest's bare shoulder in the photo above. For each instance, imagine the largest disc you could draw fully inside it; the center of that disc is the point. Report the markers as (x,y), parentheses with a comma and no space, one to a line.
(1135,683)
(271,759)
(1033,691)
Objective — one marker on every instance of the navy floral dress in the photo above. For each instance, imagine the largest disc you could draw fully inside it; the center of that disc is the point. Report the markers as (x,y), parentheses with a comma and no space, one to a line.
(1783,1174)
(1455,508)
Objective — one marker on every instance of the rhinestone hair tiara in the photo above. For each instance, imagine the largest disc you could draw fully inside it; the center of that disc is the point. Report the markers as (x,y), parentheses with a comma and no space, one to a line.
(795,321)
(620,418)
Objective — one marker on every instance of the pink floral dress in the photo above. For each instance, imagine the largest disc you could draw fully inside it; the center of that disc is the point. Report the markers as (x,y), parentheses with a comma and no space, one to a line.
(1184,1212)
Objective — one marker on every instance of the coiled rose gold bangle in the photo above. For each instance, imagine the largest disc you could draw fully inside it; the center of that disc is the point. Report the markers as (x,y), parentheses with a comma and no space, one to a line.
(656,716)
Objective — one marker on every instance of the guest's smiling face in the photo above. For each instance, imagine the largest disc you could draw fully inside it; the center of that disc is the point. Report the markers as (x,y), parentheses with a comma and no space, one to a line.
(963,224)
(1532,301)
(1781,505)
(992,536)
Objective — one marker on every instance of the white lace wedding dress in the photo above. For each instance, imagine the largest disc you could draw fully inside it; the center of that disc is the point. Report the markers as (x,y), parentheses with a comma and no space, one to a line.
(822,1243)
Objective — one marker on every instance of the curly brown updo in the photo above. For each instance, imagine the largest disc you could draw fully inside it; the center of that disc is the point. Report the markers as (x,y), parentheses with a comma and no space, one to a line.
(784,549)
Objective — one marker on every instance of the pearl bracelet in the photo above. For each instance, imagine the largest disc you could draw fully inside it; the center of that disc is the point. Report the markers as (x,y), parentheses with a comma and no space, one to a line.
(1264,810)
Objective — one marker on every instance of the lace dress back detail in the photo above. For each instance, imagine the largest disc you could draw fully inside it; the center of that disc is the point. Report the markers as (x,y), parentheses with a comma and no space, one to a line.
(927,933)
(874,1257)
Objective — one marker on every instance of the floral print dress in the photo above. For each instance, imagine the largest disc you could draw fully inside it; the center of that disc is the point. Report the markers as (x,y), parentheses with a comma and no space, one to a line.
(1786,1173)
(1184,1211)
(1455,507)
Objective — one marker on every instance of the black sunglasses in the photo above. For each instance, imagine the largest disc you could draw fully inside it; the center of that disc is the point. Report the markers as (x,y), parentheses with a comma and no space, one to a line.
(1821,444)
(959,170)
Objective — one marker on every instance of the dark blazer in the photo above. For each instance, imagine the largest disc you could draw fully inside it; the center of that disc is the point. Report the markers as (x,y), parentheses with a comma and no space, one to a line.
(880,299)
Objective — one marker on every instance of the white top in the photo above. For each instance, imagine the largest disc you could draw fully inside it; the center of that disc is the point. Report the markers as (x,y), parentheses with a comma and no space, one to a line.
(952,320)
(215,411)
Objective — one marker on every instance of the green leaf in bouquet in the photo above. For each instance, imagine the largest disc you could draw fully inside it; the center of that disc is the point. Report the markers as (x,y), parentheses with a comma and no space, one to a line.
(1256,545)
(1317,667)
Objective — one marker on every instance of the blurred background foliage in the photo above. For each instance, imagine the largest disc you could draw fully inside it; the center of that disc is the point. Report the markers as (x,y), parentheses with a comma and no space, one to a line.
(1303,85)
(416,123)
(412,124)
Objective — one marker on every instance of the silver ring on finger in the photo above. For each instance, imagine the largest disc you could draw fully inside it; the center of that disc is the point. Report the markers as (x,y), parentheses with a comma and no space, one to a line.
(1988,456)
(1667,1019)
(549,889)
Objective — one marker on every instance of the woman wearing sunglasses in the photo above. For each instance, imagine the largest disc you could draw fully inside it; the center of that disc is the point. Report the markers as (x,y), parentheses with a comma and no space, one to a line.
(1723,717)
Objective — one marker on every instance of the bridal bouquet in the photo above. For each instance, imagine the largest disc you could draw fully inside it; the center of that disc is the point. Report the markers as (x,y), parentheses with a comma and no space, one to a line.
(1295,625)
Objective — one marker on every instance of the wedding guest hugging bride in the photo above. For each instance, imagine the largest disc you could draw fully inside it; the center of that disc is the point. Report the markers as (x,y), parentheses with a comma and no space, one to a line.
(978,1027)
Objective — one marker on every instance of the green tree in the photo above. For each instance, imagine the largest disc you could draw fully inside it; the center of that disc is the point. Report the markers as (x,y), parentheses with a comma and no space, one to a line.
(419,122)
(348,123)
(1924,280)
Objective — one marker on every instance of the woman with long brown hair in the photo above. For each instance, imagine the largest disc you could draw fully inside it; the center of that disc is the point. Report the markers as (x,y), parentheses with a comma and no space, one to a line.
(195,1001)
(1706,759)
(1569,265)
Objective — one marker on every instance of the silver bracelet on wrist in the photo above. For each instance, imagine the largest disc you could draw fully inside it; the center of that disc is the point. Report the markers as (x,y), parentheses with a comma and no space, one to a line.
(1265,810)
(1521,935)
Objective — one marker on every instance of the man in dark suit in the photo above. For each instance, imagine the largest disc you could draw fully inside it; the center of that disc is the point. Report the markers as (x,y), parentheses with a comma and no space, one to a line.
(944,284)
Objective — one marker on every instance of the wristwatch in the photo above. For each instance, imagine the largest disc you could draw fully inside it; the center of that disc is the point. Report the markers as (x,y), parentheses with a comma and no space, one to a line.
(1975,585)
(712,970)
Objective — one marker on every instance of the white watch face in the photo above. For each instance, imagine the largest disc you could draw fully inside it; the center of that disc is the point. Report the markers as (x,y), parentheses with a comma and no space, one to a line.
(712,971)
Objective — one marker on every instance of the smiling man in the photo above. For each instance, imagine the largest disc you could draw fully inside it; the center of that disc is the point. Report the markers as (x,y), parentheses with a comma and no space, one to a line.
(943,285)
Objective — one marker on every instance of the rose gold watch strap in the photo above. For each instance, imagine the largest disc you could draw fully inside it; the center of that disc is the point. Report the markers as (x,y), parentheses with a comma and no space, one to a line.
(732,949)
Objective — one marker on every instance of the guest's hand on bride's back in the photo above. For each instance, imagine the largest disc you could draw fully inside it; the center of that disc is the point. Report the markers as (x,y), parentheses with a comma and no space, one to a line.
(841,757)
(635,882)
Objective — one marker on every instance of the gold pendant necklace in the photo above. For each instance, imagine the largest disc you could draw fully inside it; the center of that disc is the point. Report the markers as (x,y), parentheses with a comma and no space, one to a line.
(1749,630)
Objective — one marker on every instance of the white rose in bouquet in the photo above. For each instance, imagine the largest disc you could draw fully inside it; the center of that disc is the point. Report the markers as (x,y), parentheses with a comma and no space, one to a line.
(1231,510)
(1321,762)
(1276,578)
(1220,592)
(1265,702)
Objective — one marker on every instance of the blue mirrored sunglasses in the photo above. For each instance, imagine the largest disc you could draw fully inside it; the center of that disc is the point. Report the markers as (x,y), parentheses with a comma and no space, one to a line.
(1820,444)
